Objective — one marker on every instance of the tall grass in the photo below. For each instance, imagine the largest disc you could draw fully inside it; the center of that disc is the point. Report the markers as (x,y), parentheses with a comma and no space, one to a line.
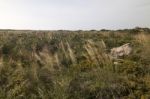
(71,53)
(97,53)
(72,65)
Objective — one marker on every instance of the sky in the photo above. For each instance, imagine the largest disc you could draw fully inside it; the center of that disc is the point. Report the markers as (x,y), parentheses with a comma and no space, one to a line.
(74,14)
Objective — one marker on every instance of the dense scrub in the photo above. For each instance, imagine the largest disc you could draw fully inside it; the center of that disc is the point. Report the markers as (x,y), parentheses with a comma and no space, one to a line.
(74,65)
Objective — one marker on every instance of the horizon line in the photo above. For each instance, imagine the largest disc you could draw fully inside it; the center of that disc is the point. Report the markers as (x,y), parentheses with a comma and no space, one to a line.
(21,29)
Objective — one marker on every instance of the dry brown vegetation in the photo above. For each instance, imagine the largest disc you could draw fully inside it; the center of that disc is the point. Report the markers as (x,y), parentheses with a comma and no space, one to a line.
(73,65)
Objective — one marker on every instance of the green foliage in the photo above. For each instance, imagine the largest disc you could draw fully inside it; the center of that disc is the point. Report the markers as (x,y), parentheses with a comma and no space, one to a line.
(73,65)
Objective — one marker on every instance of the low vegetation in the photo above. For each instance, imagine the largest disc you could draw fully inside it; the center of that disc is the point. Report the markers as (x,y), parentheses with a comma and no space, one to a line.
(74,64)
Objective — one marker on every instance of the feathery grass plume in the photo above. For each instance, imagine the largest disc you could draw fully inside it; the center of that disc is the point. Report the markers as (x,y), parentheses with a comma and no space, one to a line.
(63,49)
(71,54)
(37,57)
(97,53)
(47,58)
(90,48)
(57,59)
(102,53)
(103,45)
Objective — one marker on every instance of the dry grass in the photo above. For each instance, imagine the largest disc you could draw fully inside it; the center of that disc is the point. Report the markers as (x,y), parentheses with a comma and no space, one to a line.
(71,54)
(142,38)
(97,54)
(73,65)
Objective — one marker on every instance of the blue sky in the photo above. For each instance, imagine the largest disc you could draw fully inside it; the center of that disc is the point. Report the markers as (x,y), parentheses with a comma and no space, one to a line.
(74,14)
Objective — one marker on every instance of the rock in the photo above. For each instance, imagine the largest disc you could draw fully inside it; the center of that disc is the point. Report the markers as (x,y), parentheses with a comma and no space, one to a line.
(116,63)
(123,50)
